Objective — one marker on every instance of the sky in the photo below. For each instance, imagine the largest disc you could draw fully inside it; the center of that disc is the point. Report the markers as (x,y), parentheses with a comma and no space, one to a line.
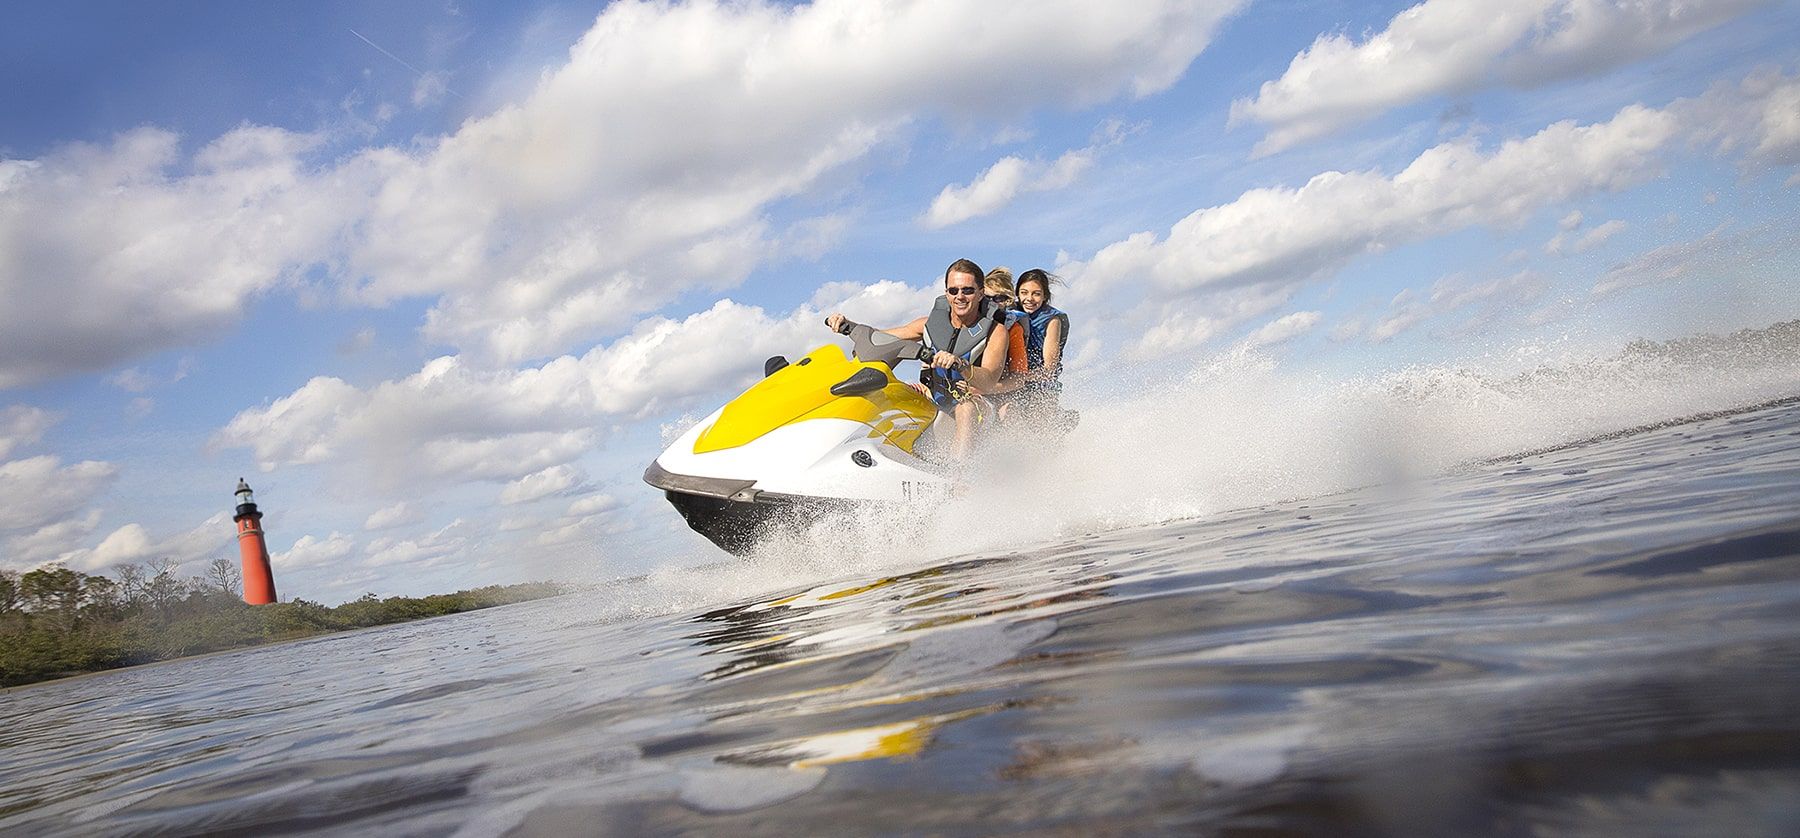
(439,278)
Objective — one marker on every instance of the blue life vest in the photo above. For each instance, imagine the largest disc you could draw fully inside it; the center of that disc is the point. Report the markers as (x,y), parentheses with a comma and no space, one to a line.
(1037,329)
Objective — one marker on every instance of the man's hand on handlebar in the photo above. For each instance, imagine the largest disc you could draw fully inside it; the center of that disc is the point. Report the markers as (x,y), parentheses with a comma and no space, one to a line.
(946,361)
(838,323)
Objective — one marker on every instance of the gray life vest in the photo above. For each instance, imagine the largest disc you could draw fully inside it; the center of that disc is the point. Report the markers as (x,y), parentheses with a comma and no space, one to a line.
(942,336)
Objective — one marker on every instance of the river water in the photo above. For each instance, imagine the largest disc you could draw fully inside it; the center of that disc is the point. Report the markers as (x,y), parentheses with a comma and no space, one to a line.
(1601,638)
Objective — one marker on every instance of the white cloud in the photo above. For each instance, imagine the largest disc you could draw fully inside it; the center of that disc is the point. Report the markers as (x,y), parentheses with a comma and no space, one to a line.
(38,491)
(388,517)
(309,551)
(160,250)
(1289,236)
(1221,266)
(1759,117)
(640,169)
(430,549)
(132,542)
(593,505)
(1283,329)
(1500,296)
(22,425)
(1003,182)
(132,380)
(1561,244)
(454,421)
(1181,325)
(125,544)
(1013,176)
(430,88)
(540,484)
(1456,46)
(566,532)
(1599,235)
(49,541)
(1011,134)
(1668,263)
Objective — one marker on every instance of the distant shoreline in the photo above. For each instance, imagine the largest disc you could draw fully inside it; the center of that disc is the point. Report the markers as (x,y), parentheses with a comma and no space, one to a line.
(57,624)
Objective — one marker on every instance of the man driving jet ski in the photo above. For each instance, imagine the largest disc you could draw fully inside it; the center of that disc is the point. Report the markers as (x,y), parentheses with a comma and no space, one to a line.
(968,341)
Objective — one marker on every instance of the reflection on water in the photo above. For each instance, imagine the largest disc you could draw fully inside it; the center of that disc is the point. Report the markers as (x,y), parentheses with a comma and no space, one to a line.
(1597,639)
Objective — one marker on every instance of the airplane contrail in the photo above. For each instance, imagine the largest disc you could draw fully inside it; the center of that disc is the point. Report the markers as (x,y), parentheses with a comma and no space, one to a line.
(401,61)
(378,48)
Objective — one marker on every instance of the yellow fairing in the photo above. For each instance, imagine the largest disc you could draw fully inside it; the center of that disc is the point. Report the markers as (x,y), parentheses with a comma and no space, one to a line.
(802,391)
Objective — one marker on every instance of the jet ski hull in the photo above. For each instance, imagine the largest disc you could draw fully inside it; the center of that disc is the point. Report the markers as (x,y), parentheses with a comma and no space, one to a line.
(738,526)
(822,436)
(733,514)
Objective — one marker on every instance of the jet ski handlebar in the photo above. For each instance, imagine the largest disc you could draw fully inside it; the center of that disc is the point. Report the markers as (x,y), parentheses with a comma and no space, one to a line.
(880,347)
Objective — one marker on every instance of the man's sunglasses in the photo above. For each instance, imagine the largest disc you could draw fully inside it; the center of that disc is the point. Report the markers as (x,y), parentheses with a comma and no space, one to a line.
(960,290)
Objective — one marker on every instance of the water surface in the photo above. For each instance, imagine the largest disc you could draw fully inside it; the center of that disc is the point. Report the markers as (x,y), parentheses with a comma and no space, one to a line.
(1598,639)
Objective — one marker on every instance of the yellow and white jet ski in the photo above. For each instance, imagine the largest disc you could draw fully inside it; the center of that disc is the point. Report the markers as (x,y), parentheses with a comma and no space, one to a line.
(823,434)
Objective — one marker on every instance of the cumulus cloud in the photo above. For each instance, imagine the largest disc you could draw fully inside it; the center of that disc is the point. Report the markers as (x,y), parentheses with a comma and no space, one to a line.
(1670,262)
(28,549)
(1013,176)
(1599,235)
(640,169)
(38,491)
(587,518)
(160,250)
(1456,46)
(1183,324)
(309,551)
(456,421)
(133,542)
(1223,265)
(1758,118)
(131,381)
(1001,183)
(430,549)
(1410,308)
(540,484)
(22,425)
(1565,241)
(1290,235)
(388,517)
(593,505)
(1283,329)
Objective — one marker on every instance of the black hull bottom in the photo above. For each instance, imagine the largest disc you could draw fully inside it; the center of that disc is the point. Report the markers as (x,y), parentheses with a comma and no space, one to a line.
(738,526)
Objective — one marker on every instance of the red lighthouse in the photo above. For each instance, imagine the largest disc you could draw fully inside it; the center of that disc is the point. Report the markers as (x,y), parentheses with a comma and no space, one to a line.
(259,581)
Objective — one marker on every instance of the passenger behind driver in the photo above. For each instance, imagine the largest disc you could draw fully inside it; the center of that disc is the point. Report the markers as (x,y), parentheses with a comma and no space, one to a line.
(1045,333)
(997,287)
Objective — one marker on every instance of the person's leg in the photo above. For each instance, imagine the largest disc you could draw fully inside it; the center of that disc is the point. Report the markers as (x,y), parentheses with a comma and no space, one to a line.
(965,430)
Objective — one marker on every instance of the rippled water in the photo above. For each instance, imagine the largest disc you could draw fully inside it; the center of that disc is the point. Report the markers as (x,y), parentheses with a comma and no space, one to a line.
(1600,639)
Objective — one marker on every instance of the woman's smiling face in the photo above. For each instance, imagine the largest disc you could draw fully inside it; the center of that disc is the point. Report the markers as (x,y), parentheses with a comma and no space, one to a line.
(1032,296)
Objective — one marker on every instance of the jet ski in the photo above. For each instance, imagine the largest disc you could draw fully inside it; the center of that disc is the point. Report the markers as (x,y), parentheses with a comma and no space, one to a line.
(819,436)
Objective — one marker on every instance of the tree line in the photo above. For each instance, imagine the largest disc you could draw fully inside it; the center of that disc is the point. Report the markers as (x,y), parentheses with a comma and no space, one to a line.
(55,621)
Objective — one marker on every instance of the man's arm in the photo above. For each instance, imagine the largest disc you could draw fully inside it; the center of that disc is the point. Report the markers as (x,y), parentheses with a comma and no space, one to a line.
(985,376)
(911,331)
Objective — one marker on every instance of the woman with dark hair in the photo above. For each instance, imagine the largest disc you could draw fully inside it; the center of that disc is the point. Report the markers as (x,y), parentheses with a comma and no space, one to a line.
(1046,333)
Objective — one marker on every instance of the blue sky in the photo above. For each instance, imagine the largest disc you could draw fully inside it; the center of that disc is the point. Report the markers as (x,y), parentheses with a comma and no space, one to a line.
(435,276)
